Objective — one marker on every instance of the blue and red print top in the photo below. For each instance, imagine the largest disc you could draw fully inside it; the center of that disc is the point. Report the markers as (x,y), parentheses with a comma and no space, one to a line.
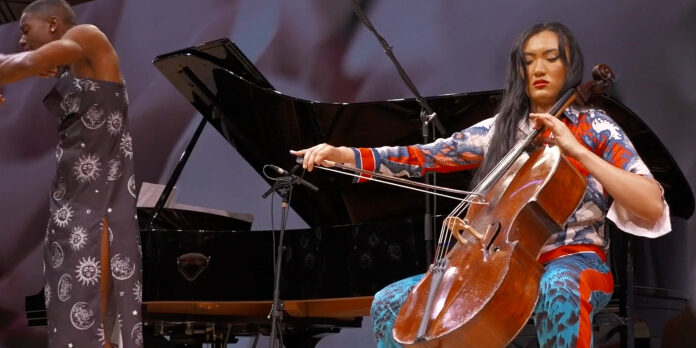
(466,149)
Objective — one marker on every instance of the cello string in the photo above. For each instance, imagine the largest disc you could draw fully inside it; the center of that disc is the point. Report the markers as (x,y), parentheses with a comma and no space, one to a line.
(441,242)
(446,238)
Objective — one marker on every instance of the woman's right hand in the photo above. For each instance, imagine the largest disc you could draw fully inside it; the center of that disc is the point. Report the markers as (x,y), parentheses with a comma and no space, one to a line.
(316,155)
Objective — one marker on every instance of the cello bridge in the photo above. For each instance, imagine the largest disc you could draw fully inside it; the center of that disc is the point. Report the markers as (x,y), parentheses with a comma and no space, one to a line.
(462,231)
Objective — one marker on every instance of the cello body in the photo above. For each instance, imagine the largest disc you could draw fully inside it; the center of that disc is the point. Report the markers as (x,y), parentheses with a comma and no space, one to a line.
(491,284)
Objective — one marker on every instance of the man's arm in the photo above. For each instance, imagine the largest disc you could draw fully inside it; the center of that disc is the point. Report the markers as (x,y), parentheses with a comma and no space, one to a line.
(79,43)
(15,67)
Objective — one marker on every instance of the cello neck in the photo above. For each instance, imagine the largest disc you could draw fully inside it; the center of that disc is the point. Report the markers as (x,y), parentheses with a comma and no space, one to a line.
(557,110)
(602,77)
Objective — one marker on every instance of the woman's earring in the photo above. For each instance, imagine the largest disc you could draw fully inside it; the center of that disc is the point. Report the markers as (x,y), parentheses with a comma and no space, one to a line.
(53,30)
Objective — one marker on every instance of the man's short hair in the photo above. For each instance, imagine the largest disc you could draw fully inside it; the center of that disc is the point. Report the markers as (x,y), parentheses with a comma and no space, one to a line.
(48,8)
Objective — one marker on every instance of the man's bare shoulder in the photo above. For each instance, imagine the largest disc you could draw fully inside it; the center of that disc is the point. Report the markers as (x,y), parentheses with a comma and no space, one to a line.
(86,34)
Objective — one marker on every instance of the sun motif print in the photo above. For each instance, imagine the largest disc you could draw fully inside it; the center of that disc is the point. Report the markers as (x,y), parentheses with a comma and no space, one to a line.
(87,168)
(100,334)
(115,123)
(88,271)
(78,238)
(63,215)
(94,189)
(127,145)
(138,292)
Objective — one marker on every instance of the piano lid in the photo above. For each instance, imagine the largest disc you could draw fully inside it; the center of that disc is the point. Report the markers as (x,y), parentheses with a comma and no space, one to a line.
(263,125)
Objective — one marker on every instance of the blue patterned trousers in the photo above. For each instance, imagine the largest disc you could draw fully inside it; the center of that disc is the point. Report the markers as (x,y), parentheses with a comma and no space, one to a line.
(572,289)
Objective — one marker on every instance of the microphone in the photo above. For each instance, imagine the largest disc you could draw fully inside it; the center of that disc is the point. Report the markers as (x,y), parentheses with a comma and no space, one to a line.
(294,178)
(279,170)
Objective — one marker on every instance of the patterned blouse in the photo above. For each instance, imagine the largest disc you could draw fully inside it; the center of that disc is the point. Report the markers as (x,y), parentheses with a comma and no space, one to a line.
(465,150)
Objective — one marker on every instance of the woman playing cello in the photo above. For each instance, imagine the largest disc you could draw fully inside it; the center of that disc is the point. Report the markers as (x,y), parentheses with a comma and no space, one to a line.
(545,62)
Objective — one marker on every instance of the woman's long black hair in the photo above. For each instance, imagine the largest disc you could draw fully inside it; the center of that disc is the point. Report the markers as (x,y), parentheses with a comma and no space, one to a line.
(515,104)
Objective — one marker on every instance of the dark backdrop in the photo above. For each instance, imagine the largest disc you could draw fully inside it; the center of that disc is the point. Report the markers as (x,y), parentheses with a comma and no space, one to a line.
(318,50)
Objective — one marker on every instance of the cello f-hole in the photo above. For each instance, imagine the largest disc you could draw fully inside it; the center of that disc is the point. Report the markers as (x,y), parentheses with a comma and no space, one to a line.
(496,232)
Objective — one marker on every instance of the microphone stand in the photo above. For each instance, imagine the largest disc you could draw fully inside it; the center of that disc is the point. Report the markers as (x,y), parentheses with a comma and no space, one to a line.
(283,186)
(428,117)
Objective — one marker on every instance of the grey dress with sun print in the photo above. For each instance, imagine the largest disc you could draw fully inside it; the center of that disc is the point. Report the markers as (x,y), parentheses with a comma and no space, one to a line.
(94,182)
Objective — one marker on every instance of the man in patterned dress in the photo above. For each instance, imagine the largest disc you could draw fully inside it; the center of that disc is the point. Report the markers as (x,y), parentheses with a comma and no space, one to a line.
(92,258)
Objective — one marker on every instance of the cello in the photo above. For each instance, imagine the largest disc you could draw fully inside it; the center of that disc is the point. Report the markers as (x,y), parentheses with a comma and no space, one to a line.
(482,290)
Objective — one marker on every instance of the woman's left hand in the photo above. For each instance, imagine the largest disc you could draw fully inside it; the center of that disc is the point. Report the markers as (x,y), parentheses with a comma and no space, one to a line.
(560,134)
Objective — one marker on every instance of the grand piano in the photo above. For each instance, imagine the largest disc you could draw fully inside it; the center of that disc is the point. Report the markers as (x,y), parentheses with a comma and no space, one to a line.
(211,279)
